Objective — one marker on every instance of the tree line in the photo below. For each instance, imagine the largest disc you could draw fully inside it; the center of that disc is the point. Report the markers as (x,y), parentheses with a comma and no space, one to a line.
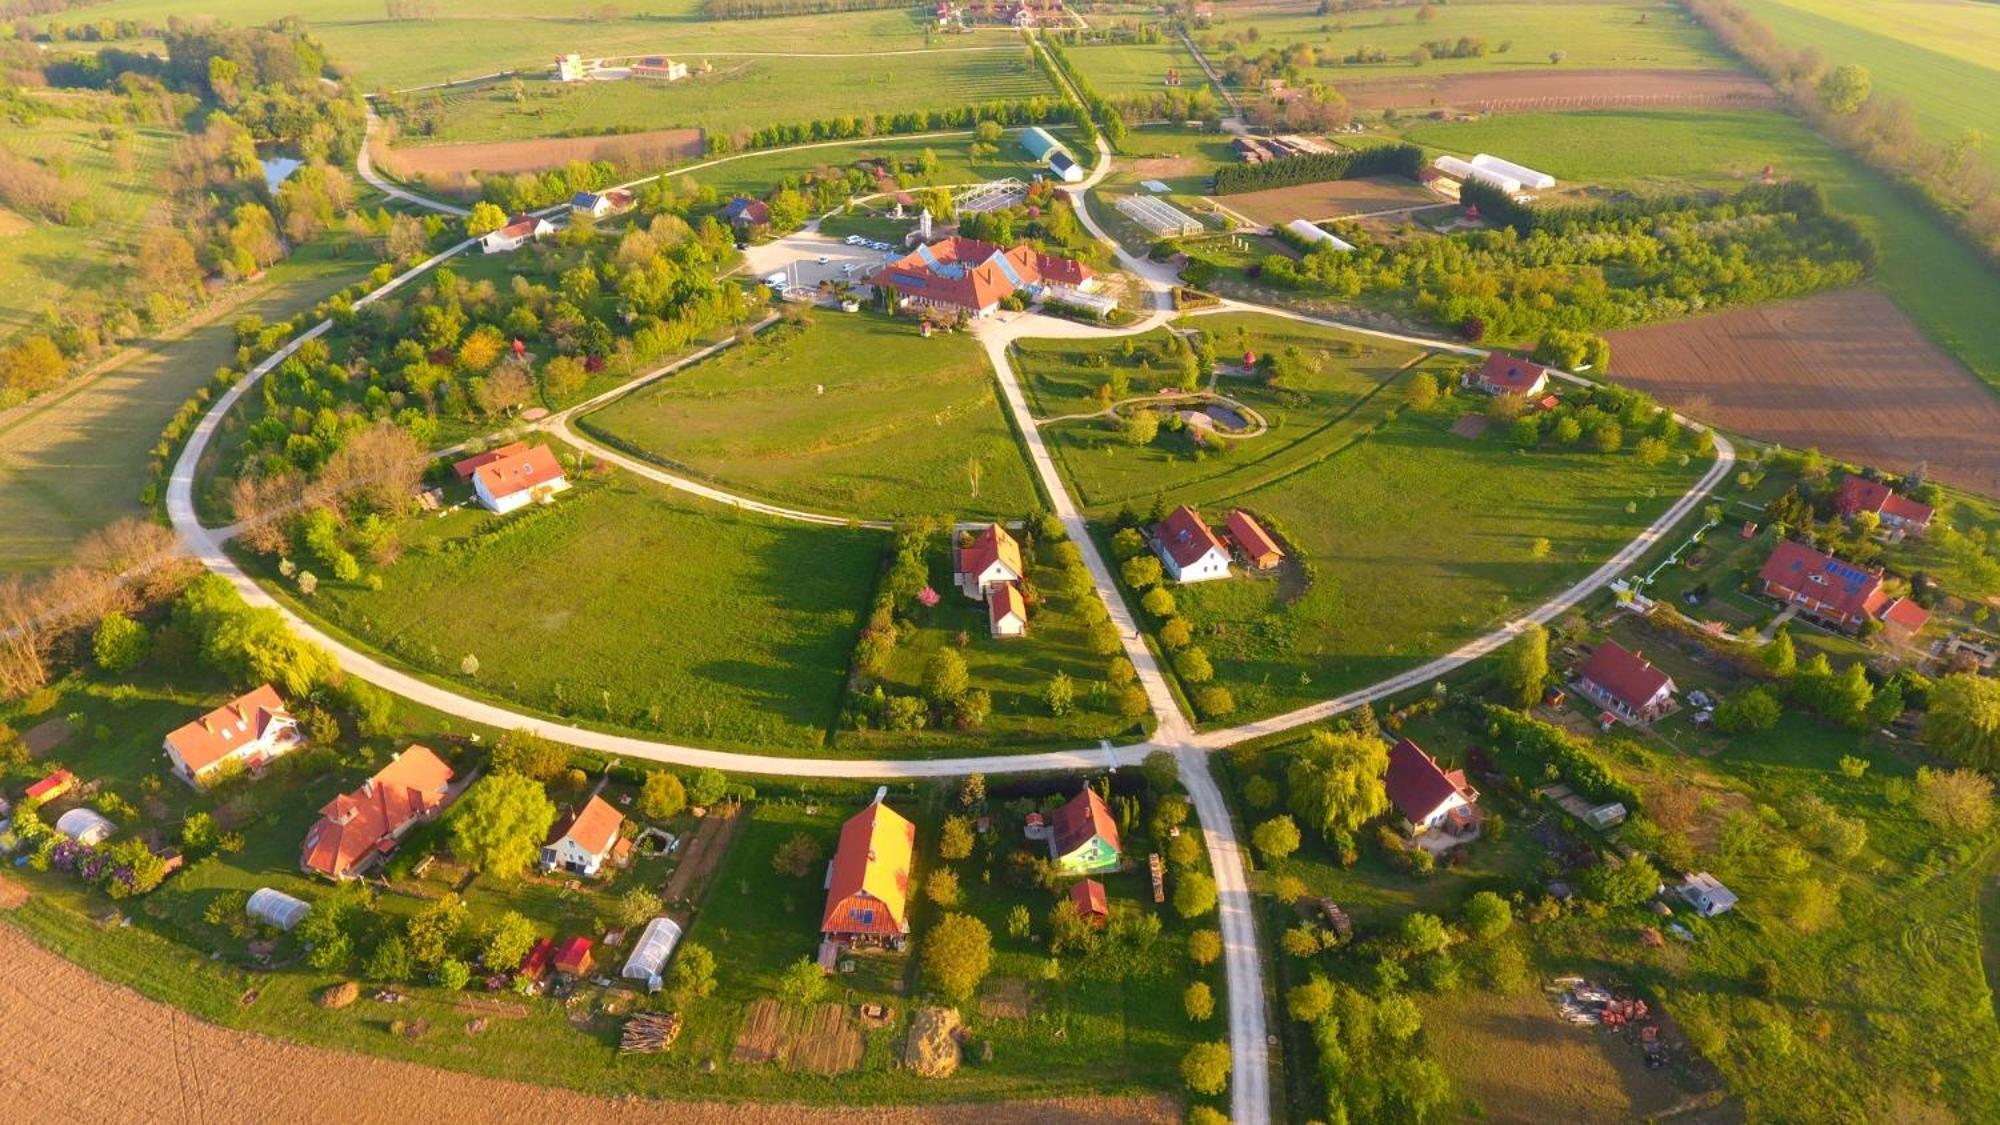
(1314,167)
(769,9)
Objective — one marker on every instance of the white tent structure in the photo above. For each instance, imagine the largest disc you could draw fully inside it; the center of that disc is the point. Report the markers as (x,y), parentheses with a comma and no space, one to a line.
(1461,171)
(85,826)
(1311,233)
(651,951)
(276,908)
(1540,181)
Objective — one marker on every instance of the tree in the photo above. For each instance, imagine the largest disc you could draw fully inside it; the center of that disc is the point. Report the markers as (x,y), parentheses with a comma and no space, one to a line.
(638,906)
(1198,1000)
(1336,782)
(1141,426)
(390,962)
(1069,930)
(797,856)
(1161,770)
(508,942)
(530,755)
(1845,87)
(1423,934)
(1205,1068)
(1204,947)
(1780,658)
(955,838)
(1753,710)
(1142,572)
(1276,838)
(1310,1001)
(707,787)
(1524,666)
(957,953)
(1158,603)
(1959,800)
(1194,894)
(945,677)
(484,219)
(1422,391)
(1059,694)
(803,982)
(1487,916)
(972,791)
(119,644)
(942,887)
(499,825)
(433,933)
(562,377)
(1963,720)
(1191,664)
(693,972)
(1622,884)
(662,797)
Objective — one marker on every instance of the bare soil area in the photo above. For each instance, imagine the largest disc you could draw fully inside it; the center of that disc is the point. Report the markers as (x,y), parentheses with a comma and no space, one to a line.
(1561,89)
(103,1053)
(821,1039)
(45,736)
(1330,199)
(1844,372)
(702,854)
(657,148)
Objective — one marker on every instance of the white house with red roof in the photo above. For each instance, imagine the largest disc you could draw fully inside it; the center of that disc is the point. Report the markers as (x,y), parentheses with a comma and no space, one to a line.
(519,231)
(1838,593)
(991,560)
(1006,611)
(585,840)
(1625,683)
(356,830)
(252,729)
(513,476)
(1188,548)
(1898,512)
(1505,375)
(969,276)
(1426,795)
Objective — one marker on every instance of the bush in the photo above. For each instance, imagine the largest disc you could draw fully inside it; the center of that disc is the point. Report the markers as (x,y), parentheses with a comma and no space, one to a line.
(1158,603)
(1199,1002)
(1205,1068)
(1214,701)
(1192,666)
(119,644)
(1194,894)
(1750,711)
(1204,947)
(957,953)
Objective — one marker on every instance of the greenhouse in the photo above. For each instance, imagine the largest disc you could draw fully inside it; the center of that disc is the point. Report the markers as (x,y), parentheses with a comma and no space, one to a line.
(85,826)
(276,908)
(650,952)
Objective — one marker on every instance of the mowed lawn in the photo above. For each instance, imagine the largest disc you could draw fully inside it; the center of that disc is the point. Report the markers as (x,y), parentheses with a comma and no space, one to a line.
(854,415)
(1418,539)
(1927,270)
(1136,68)
(1592,34)
(743,94)
(625,605)
(757,172)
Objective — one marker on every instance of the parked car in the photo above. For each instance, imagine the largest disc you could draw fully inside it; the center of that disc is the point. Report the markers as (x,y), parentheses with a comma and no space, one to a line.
(823,259)
(854,240)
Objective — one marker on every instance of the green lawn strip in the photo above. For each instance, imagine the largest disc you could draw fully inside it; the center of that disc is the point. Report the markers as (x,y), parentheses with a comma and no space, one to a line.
(755,173)
(1929,271)
(1116,69)
(851,414)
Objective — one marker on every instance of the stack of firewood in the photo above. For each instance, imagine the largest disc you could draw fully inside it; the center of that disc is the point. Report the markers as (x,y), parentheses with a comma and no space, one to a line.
(650,1033)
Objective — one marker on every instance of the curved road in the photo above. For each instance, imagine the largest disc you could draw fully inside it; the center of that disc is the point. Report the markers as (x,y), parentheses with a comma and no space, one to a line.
(1249,1087)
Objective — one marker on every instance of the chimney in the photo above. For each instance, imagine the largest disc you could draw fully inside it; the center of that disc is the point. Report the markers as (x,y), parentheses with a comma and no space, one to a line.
(881,795)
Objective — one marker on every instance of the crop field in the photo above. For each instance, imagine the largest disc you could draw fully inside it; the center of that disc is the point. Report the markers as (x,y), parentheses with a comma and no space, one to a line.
(1132,68)
(856,415)
(1564,88)
(1938,55)
(627,605)
(657,148)
(1418,539)
(1330,199)
(1590,33)
(742,94)
(1845,372)
(1925,269)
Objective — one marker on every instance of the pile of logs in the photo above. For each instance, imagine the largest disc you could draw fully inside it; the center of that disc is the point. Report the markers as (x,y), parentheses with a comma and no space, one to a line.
(650,1033)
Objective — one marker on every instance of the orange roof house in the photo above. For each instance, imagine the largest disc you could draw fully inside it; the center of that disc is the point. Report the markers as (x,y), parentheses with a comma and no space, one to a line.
(574,957)
(1903,620)
(970,276)
(1007,611)
(1257,547)
(509,482)
(993,558)
(253,729)
(868,881)
(581,842)
(1427,795)
(1188,549)
(464,469)
(51,787)
(1859,494)
(1088,898)
(1083,835)
(359,828)
(1505,375)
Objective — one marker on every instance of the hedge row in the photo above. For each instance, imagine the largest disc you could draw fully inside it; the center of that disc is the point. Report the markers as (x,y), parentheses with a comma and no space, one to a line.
(1533,751)
(1316,167)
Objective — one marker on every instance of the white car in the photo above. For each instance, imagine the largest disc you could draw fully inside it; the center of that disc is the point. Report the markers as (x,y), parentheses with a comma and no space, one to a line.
(854,240)
(823,259)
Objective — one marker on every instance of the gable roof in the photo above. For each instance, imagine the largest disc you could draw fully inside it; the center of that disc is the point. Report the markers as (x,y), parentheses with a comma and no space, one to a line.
(974,274)
(246,719)
(594,827)
(1510,374)
(1906,614)
(1417,786)
(1085,816)
(745,209)
(873,859)
(1088,896)
(1185,536)
(1859,494)
(1624,674)
(1845,587)
(584,200)
(1005,600)
(521,226)
(54,785)
(992,544)
(518,472)
(1251,536)
(465,468)
(353,824)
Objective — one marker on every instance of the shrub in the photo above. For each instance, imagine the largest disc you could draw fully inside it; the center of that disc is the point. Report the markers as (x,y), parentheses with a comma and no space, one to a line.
(1199,1002)
(1205,1068)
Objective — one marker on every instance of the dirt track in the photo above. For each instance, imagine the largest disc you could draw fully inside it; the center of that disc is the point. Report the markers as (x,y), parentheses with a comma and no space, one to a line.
(1846,372)
(1554,89)
(83,1050)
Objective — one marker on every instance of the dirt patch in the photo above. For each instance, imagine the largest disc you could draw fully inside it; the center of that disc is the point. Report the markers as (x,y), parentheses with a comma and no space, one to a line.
(654,149)
(102,1042)
(1165,167)
(45,736)
(1471,425)
(1005,999)
(820,1040)
(13,895)
(702,854)
(1331,199)
(1845,372)
(1561,89)
(13,222)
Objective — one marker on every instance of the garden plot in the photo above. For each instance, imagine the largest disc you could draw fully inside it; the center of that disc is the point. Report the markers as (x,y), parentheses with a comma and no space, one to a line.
(1331,199)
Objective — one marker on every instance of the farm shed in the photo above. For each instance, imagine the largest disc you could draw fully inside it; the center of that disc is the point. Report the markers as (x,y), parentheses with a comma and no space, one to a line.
(1460,170)
(1039,143)
(1707,895)
(651,951)
(1160,218)
(1313,234)
(276,908)
(85,826)
(1540,181)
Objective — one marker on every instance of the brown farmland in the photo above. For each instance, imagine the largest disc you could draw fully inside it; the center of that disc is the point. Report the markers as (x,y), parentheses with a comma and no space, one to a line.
(1559,90)
(655,149)
(1846,372)
(103,1053)
(1329,199)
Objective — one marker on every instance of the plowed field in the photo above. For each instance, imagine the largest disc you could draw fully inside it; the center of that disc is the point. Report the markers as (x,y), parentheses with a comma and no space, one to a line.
(1562,89)
(1329,199)
(1845,372)
(652,149)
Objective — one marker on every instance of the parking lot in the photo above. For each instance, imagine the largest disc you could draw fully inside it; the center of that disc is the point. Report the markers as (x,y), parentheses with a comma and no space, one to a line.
(803,261)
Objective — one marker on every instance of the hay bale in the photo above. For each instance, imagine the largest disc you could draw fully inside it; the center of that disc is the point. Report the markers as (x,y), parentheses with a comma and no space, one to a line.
(339,995)
(932,1048)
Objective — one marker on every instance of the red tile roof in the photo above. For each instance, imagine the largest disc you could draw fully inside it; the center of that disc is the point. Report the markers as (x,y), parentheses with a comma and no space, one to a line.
(1516,376)
(520,226)
(594,827)
(991,545)
(354,824)
(1415,784)
(1859,494)
(537,961)
(1185,536)
(872,863)
(1088,896)
(519,472)
(1848,589)
(464,469)
(574,956)
(975,275)
(1005,600)
(1085,816)
(52,786)
(245,719)
(1906,614)
(1256,543)
(1624,674)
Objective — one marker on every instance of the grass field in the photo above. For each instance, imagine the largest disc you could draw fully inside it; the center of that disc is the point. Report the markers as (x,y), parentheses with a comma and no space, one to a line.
(1942,56)
(1114,69)
(41,262)
(856,415)
(1592,33)
(757,172)
(1939,282)
(627,605)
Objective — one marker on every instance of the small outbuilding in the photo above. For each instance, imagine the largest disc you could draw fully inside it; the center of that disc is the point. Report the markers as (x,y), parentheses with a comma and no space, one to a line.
(1707,895)
(1314,235)
(1091,905)
(652,951)
(276,908)
(85,826)
(573,957)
